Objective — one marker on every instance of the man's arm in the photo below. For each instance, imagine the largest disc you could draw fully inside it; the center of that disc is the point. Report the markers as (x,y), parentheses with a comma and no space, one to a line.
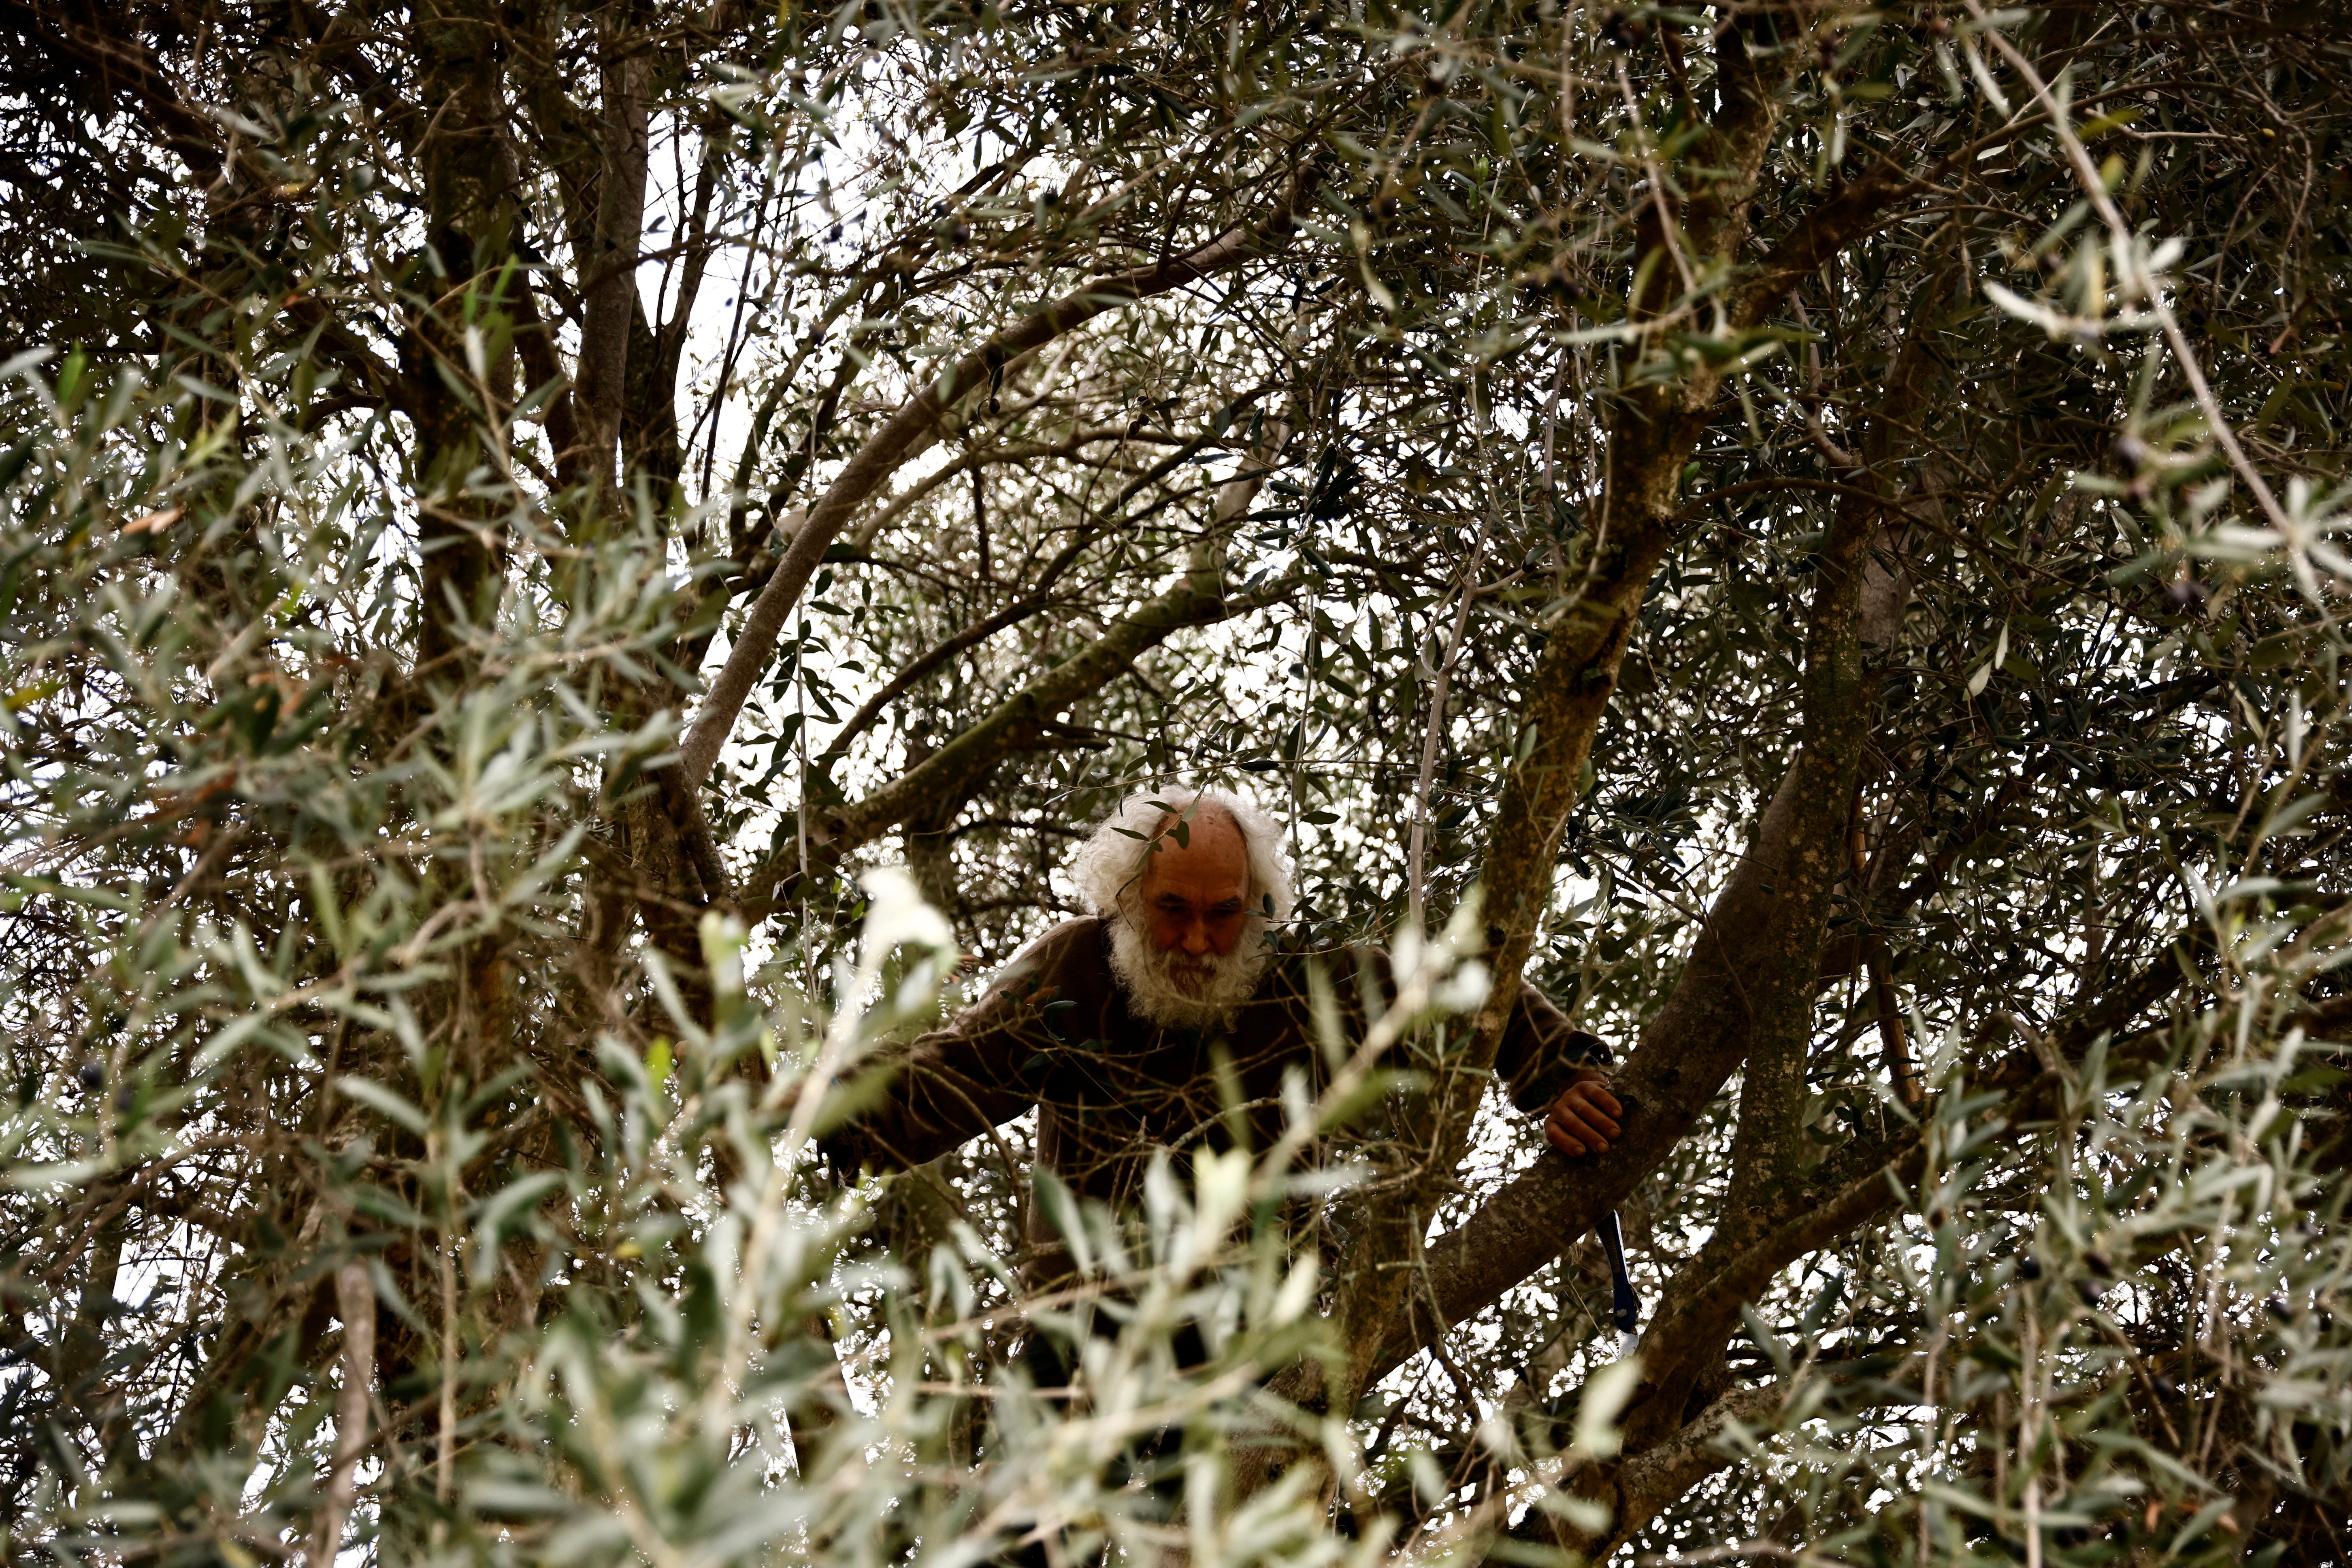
(1552,1067)
(956,1083)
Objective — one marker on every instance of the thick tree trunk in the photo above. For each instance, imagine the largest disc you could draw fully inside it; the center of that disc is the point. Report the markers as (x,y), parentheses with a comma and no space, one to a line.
(461,404)
(608,261)
(1653,428)
(1750,974)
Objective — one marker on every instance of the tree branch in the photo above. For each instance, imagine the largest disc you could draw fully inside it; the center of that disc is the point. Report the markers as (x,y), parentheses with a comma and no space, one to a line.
(355,1304)
(1653,429)
(905,435)
(1751,976)
(955,768)
(612,304)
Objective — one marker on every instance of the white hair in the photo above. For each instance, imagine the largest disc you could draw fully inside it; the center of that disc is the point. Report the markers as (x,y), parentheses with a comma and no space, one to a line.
(1109,872)
(1110,863)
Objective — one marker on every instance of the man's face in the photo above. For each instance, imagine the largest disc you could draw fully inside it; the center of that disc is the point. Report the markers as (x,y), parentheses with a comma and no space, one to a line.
(1195,897)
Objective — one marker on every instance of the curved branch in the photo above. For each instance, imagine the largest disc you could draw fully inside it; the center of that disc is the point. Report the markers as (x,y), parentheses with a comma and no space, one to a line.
(1036,599)
(973,636)
(905,435)
(1199,599)
(985,456)
(1700,1312)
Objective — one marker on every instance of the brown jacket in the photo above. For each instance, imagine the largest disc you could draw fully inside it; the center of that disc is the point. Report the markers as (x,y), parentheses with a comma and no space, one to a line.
(1053,1031)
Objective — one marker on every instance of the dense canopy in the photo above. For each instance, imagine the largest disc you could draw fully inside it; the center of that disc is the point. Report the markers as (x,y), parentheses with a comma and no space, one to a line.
(1811,534)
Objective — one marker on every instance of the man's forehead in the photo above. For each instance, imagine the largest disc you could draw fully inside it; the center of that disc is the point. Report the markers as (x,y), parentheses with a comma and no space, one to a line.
(1205,826)
(1214,859)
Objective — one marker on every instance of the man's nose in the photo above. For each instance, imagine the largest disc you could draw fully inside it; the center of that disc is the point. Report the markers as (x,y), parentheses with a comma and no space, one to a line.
(1196,938)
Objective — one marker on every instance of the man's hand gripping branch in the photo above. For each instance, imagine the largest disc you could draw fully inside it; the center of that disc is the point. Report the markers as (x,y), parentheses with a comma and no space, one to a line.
(1582,1120)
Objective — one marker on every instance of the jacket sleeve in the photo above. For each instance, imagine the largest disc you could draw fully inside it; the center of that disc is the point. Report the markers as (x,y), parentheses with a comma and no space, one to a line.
(1542,1054)
(954,1084)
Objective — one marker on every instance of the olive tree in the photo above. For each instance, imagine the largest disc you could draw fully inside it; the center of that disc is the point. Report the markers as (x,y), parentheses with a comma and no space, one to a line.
(1810,533)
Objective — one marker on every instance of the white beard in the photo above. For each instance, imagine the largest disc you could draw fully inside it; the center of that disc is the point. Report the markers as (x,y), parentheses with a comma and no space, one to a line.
(1149,976)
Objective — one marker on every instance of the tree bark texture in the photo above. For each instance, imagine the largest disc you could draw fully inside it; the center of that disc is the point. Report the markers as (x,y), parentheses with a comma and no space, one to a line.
(470,232)
(1750,977)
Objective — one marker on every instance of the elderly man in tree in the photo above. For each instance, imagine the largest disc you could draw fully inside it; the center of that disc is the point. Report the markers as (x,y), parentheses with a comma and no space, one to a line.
(1110,1026)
